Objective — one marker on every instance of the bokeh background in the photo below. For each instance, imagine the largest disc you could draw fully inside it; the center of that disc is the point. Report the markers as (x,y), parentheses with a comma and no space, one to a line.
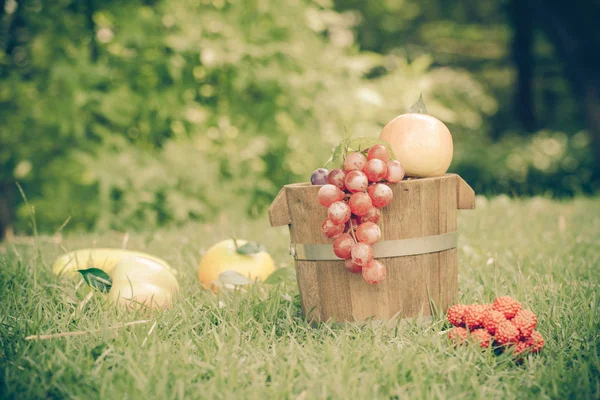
(129,115)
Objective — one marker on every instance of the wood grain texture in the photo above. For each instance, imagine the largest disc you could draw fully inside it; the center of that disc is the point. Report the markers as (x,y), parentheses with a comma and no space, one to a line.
(308,285)
(465,195)
(448,260)
(306,213)
(278,210)
(421,207)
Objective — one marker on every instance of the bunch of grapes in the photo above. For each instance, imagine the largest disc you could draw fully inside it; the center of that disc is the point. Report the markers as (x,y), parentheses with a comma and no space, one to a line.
(354,196)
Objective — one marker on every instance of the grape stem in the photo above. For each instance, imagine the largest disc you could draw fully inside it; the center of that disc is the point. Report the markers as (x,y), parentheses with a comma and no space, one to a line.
(352,231)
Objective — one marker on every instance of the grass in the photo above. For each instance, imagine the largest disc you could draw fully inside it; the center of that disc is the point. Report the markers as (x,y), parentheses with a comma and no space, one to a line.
(254,344)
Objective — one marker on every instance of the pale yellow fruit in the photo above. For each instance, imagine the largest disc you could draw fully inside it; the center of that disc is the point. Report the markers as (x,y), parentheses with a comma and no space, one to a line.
(102,258)
(139,280)
(142,269)
(140,295)
(422,144)
(223,257)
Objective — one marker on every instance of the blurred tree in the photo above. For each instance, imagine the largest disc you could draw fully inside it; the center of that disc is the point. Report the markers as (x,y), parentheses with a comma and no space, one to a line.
(40,61)
(523,22)
(571,26)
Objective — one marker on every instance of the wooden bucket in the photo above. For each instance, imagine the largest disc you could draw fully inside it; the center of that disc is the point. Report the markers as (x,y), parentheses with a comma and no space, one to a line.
(418,247)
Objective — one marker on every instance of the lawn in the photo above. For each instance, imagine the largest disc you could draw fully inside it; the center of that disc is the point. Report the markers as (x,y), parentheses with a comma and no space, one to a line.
(253,343)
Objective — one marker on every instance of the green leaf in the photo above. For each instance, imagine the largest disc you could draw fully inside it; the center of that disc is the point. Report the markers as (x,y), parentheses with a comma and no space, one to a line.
(250,248)
(97,279)
(234,278)
(281,275)
(418,107)
(337,157)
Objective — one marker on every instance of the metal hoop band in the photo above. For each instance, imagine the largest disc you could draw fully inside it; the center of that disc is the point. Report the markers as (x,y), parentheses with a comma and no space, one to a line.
(384,249)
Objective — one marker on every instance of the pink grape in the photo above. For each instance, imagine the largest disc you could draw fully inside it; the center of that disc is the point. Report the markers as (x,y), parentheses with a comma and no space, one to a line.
(342,246)
(336,177)
(381,195)
(339,212)
(374,272)
(360,203)
(372,215)
(375,170)
(355,162)
(395,171)
(362,253)
(379,152)
(352,267)
(329,194)
(356,181)
(332,230)
(368,232)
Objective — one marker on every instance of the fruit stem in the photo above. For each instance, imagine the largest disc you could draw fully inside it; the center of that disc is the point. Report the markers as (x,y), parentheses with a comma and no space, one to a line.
(419,106)
(235,243)
(352,231)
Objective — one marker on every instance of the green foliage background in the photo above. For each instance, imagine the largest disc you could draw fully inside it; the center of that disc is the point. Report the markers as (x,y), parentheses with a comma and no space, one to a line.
(130,115)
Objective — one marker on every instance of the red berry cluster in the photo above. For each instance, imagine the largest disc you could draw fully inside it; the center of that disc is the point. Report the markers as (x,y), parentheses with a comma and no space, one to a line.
(504,323)
(353,196)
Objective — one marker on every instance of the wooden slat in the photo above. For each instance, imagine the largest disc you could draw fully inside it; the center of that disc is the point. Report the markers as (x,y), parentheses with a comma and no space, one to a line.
(412,288)
(465,195)
(429,264)
(306,214)
(448,262)
(334,291)
(448,278)
(308,285)
(401,220)
(369,301)
(278,210)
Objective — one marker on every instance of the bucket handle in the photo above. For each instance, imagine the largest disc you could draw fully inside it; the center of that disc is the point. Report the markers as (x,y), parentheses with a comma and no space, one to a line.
(465,195)
(278,210)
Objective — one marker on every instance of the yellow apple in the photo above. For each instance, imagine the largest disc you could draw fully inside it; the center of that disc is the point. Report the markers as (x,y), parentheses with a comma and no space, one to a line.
(224,256)
(137,294)
(140,280)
